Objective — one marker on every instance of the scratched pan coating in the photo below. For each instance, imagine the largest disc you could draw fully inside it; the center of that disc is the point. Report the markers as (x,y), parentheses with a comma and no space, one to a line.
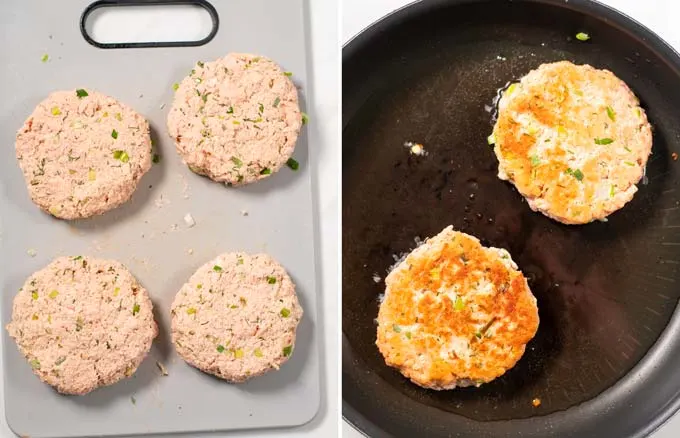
(606,292)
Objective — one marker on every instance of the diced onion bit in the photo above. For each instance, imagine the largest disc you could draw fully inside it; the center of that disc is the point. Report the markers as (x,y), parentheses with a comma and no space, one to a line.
(305,118)
(511,89)
(285,312)
(238,354)
(54,294)
(396,328)
(34,295)
(582,36)
(258,352)
(45,58)
(408,335)
(217,268)
(175,86)
(91,175)
(287,351)
(611,113)
(288,73)
(535,161)
(604,141)
(135,309)
(293,164)
(56,111)
(576,173)
(491,139)
(191,311)
(220,348)
(459,304)
(189,220)
(121,155)
(266,171)
(35,364)
(81,93)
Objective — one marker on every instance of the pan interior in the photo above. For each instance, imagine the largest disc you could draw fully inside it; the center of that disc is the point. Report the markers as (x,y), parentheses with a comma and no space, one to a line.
(605,290)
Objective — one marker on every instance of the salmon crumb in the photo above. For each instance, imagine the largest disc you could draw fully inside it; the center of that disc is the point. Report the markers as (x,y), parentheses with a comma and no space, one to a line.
(674,156)
(536,402)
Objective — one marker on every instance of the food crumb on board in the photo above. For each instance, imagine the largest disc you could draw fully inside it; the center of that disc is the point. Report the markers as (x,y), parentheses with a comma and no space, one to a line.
(536,402)
(45,58)
(376,277)
(190,251)
(185,186)
(189,220)
(31,252)
(501,58)
(161,367)
(161,202)
(674,156)
(244,212)
(415,148)
(133,400)
(174,227)
(162,105)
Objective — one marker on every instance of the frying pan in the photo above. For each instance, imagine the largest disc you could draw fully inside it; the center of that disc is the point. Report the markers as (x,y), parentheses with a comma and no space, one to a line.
(606,359)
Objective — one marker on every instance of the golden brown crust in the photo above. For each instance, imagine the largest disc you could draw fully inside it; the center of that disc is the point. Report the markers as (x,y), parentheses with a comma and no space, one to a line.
(423,322)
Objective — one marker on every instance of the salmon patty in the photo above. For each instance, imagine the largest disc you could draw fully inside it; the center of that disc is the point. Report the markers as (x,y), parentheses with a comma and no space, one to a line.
(236,120)
(455,313)
(82,323)
(82,153)
(573,140)
(236,317)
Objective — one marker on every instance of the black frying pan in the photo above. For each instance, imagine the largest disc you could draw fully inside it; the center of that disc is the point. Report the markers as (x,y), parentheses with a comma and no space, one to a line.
(606,359)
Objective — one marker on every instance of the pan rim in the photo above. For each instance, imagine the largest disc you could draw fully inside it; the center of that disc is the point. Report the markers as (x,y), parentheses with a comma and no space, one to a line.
(658,360)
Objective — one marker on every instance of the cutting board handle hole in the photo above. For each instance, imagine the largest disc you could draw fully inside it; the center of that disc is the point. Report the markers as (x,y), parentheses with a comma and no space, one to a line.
(118,24)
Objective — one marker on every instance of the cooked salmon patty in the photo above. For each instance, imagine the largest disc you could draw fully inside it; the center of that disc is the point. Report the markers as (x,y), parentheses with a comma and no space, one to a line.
(573,140)
(455,313)
(236,120)
(82,323)
(82,153)
(236,317)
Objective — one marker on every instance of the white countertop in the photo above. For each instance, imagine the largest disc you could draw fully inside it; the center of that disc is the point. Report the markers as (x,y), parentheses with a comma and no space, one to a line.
(358,14)
(324,131)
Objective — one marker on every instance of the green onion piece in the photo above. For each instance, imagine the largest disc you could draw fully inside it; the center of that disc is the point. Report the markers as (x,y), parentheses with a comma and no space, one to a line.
(603,141)
(511,89)
(35,364)
(293,164)
(305,118)
(576,173)
(287,351)
(276,103)
(239,261)
(261,108)
(237,161)
(200,64)
(238,354)
(459,304)
(34,294)
(45,57)
(535,161)
(408,335)
(199,286)
(81,93)
(285,312)
(217,268)
(629,163)
(271,280)
(627,149)
(230,110)
(220,348)
(236,122)
(54,294)
(582,36)
(479,335)
(638,112)
(396,328)
(611,191)
(288,73)
(191,311)
(56,111)
(266,171)
(119,117)
(77,258)
(156,158)
(135,309)
(60,361)
(116,291)
(258,352)
(114,134)
(611,114)
(491,139)
(175,86)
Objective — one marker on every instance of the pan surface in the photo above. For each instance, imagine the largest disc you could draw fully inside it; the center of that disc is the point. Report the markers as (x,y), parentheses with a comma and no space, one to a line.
(606,359)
